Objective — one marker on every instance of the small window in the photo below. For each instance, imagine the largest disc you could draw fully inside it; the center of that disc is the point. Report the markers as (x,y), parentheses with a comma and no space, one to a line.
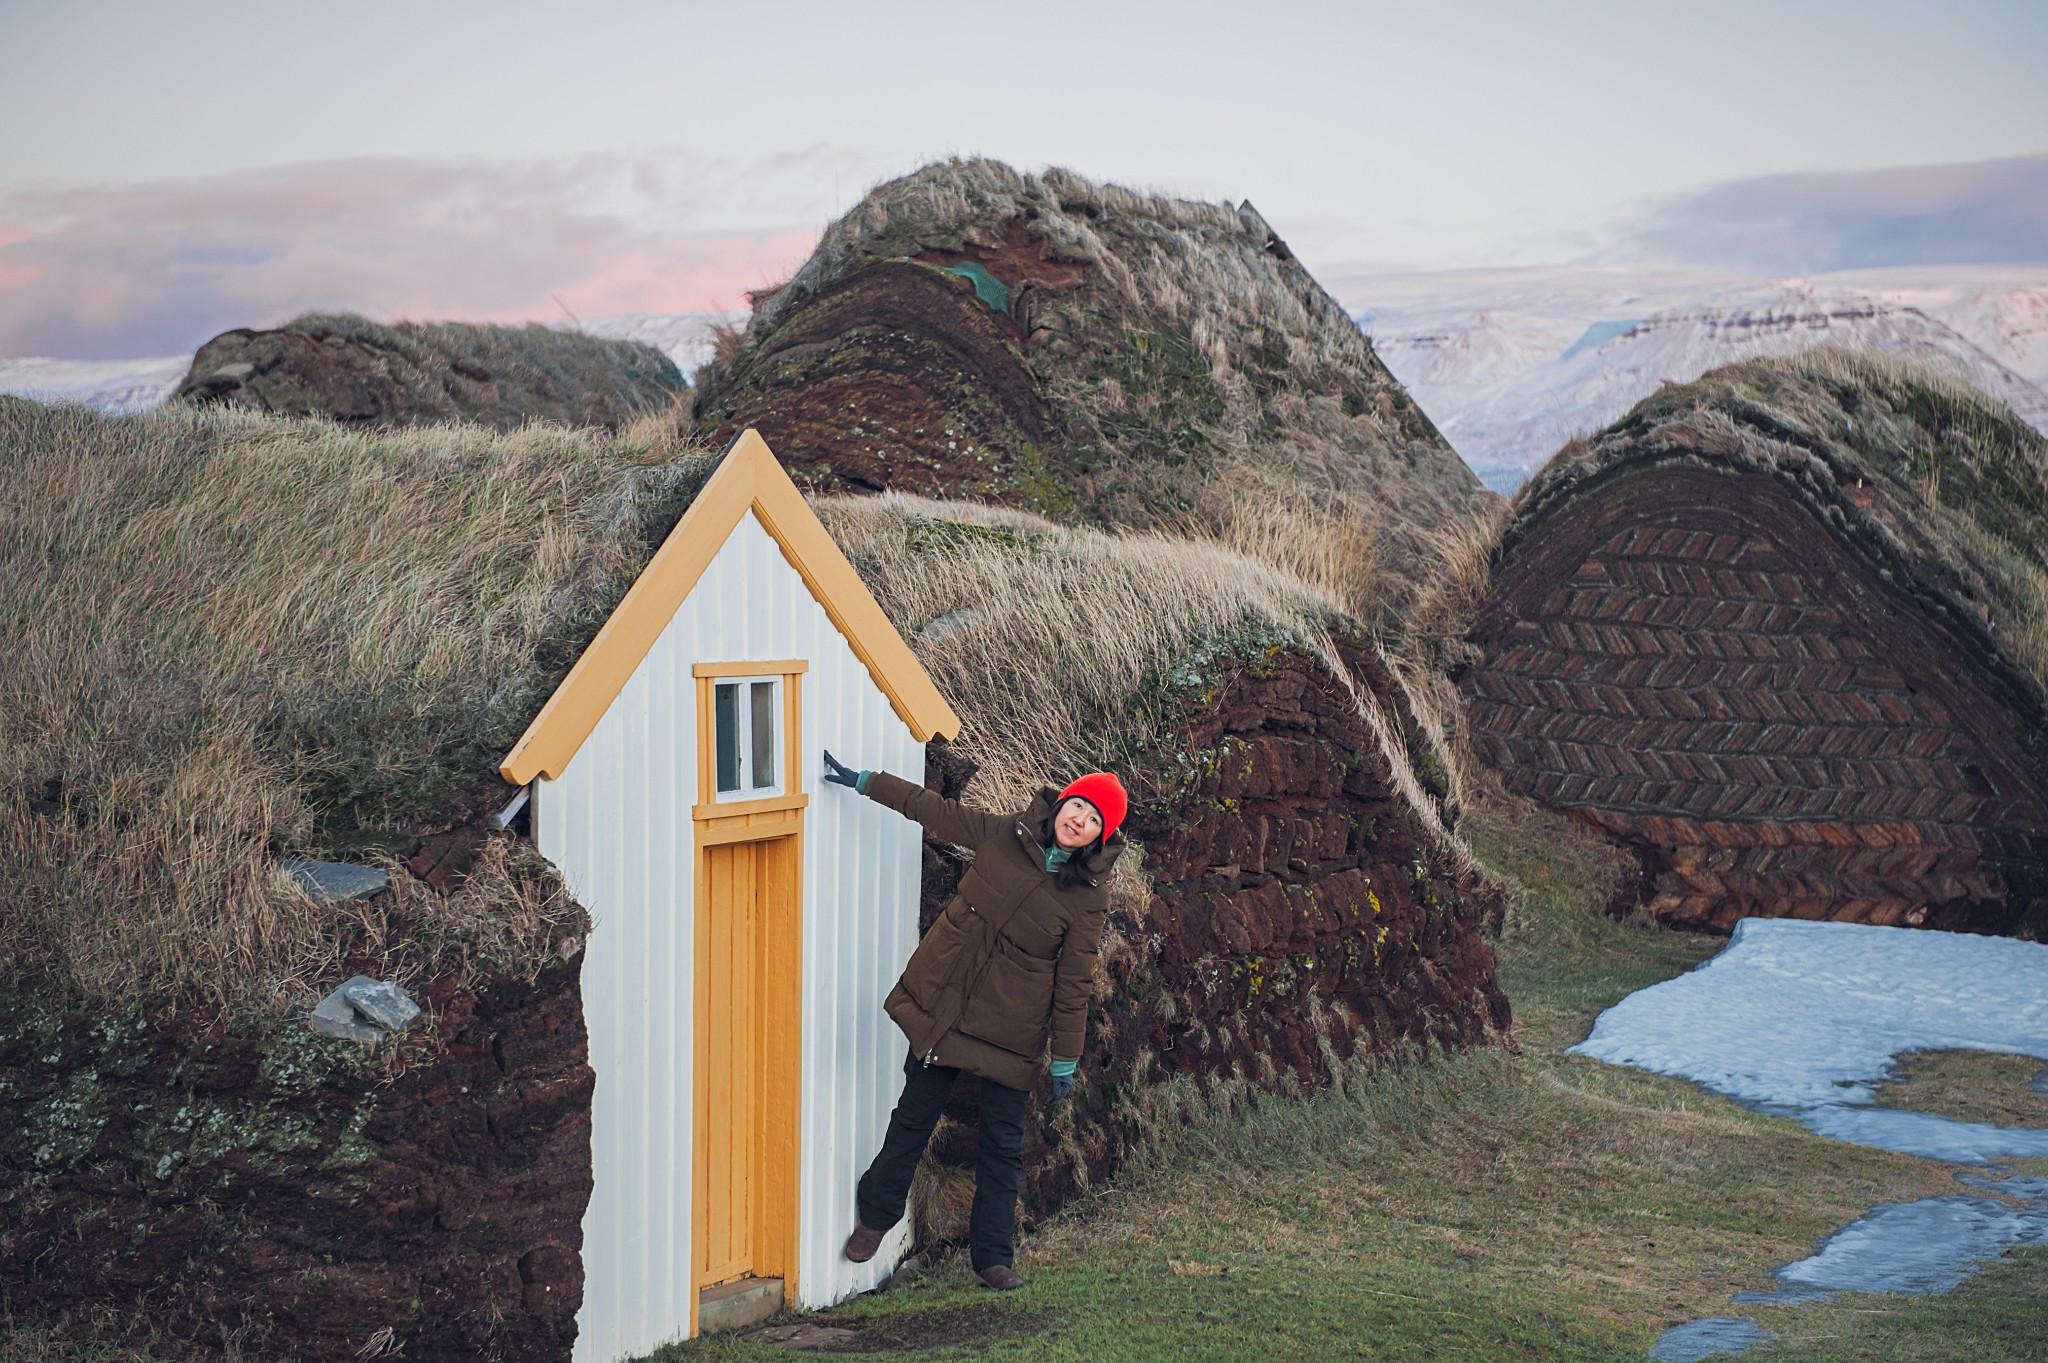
(747,724)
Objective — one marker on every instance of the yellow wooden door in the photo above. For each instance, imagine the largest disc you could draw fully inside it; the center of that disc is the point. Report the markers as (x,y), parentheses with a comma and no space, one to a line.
(729,1051)
(747,1076)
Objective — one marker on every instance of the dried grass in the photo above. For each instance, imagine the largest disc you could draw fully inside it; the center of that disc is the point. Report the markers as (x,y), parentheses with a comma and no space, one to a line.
(234,638)
(1053,642)
(230,638)
(1067,650)
(1432,643)
(1328,542)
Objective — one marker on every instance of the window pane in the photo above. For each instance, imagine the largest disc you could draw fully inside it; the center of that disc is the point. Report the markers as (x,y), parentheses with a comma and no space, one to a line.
(726,725)
(764,735)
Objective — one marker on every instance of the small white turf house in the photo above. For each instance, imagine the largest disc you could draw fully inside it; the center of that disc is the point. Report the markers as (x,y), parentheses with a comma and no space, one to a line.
(747,918)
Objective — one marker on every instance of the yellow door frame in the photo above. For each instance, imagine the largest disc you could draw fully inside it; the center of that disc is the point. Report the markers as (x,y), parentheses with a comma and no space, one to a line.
(775,989)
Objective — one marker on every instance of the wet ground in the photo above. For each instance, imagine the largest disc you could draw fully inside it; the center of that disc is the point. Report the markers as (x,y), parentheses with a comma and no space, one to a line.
(1807,1020)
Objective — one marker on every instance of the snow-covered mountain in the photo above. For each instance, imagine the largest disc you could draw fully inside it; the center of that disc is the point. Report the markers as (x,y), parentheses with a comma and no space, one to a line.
(1512,363)
(2003,309)
(110,385)
(685,337)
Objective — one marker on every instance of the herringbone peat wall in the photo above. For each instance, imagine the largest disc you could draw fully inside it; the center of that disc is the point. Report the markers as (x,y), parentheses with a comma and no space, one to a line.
(1704,665)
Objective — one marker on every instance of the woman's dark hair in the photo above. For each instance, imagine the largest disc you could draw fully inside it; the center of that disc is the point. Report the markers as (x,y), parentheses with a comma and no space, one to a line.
(1073,872)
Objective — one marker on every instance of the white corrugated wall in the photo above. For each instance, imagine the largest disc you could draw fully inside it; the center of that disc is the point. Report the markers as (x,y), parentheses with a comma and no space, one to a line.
(617,824)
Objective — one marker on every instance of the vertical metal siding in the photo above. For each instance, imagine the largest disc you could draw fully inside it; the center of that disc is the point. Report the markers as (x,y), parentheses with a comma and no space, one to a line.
(618,826)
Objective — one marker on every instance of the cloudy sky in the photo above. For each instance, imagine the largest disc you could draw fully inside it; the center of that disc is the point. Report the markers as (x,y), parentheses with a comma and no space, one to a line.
(168,171)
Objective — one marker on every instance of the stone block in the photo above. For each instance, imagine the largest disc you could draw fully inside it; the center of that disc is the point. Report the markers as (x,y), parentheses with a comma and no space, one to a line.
(364,1010)
(335,881)
(736,1305)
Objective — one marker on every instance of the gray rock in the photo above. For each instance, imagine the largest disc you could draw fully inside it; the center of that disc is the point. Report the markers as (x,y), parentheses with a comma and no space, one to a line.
(337,1017)
(382,1002)
(364,1010)
(334,882)
(803,1335)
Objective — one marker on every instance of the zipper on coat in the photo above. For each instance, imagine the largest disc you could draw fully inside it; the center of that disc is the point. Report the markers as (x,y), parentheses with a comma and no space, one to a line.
(1035,846)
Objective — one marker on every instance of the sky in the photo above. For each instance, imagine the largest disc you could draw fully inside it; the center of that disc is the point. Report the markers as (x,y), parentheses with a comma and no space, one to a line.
(168,171)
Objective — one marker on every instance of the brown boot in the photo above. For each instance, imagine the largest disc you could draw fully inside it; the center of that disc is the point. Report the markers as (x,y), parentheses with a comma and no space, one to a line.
(1001,1277)
(862,1244)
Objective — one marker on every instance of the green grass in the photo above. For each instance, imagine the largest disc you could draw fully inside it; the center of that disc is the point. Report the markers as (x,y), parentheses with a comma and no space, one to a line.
(1486,1206)
(1971,1086)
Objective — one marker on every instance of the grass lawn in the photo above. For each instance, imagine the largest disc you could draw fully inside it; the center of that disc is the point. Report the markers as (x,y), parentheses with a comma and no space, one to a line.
(1489,1206)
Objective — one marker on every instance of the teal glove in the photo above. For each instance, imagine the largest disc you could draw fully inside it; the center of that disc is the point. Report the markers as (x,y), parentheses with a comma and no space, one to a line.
(1062,1080)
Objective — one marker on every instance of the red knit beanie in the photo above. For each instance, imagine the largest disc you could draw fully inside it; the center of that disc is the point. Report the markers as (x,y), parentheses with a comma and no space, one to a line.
(1106,793)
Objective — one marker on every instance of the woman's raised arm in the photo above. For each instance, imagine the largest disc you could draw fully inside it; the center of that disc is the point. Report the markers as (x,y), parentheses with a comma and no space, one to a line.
(945,819)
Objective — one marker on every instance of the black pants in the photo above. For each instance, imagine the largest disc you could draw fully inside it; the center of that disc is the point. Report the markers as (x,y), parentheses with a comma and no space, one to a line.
(992,1231)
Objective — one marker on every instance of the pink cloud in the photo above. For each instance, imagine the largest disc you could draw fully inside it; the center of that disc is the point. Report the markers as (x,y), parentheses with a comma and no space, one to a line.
(109,272)
(709,272)
(13,275)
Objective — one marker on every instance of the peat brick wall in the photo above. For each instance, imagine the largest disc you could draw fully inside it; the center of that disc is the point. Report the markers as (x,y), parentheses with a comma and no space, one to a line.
(1702,667)
(1302,915)
(897,376)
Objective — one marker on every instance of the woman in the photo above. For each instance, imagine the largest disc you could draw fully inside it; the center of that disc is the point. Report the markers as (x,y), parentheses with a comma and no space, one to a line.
(1010,959)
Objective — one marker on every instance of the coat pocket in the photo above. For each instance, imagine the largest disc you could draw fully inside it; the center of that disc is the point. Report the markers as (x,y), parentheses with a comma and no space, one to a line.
(1009,1004)
(937,956)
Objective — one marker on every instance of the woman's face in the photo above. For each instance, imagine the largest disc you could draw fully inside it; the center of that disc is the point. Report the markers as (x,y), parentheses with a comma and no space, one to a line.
(1076,823)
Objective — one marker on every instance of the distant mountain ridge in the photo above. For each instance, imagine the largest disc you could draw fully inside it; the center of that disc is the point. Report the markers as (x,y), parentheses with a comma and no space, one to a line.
(1512,363)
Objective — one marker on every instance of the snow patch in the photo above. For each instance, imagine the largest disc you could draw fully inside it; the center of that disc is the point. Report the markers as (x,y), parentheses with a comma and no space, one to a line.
(1805,1019)
(1924,1248)
(1714,1337)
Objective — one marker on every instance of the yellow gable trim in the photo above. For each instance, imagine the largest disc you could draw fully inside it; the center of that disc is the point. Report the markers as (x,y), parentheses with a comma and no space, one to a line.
(749,478)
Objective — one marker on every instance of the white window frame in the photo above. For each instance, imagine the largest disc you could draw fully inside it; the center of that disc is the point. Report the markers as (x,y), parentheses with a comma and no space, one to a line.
(743,713)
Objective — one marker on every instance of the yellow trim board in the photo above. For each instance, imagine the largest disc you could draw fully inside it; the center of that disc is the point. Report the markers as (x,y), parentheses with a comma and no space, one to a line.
(778,667)
(768,804)
(749,478)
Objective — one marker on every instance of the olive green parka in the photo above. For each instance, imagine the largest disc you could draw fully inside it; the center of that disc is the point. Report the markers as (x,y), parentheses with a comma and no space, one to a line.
(1013,956)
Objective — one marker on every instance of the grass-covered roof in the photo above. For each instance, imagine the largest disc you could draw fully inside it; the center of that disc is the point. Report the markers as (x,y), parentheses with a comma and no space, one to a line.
(1090,353)
(230,637)
(1924,468)
(233,638)
(359,372)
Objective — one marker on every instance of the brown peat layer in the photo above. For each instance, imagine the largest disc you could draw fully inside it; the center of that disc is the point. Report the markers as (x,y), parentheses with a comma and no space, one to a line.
(1784,631)
(264,1190)
(363,373)
(1094,355)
